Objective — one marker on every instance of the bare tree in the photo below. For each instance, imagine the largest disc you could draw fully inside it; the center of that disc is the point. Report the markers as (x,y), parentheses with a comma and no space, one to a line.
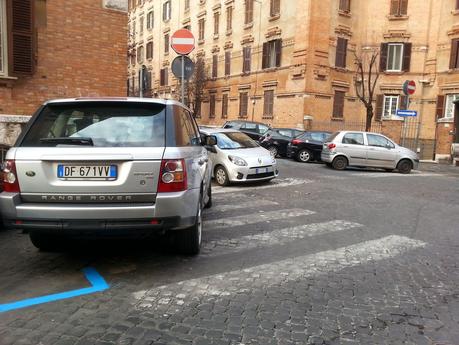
(366,77)
(196,86)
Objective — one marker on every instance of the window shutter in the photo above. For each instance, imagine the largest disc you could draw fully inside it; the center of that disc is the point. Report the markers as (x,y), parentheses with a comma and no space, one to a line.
(406,57)
(403,7)
(338,104)
(341,51)
(278,44)
(454,54)
(383,58)
(227,63)
(22,37)
(440,106)
(379,107)
(402,105)
(394,7)
(457,4)
(161,77)
(264,61)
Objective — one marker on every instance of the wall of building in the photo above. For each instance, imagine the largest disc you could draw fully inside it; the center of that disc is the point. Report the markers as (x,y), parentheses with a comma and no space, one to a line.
(81,52)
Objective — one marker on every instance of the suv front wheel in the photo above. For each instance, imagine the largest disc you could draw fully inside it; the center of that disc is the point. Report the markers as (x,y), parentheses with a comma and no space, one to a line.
(189,240)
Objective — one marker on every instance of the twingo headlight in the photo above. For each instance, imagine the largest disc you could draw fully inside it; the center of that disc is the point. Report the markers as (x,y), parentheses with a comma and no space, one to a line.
(237,161)
(273,160)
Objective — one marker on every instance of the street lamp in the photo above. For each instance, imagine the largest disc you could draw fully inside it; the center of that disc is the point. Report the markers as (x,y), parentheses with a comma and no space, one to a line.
(258,60)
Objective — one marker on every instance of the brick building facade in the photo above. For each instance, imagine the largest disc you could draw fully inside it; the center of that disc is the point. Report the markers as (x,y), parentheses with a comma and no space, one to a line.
(291,63)
(58,48)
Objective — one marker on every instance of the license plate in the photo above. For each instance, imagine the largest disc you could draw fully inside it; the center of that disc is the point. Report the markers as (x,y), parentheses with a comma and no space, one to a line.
(261,170)
(87,172)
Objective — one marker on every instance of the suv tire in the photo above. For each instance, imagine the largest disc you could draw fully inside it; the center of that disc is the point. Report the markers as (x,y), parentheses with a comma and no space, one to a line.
(45,242)
(189,240)
(221,176)
(304,156)
(209,194)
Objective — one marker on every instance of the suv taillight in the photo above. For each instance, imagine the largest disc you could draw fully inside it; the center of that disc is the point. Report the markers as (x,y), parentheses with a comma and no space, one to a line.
(331,146)
(172,177)
(10,179)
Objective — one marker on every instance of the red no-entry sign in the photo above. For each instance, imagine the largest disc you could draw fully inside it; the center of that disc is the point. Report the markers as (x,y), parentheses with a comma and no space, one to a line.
(182,41)
(409,87)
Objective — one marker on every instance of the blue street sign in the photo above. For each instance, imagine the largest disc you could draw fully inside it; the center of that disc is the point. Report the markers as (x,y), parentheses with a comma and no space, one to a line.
(407,113)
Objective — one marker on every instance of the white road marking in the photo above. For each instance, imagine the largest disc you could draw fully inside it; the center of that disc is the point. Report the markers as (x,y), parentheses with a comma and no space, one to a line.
(276,237)
(254,218)
(240,205)
(276,183)
(174,297)
(368,174)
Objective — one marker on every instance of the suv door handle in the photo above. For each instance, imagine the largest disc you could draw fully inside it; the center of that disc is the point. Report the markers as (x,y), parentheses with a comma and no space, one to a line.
(203,161)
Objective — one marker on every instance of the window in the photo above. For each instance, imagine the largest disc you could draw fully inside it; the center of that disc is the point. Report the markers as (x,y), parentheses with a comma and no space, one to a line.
(457,4)
(216,23)
(187,5)
(202,23)
(150,50)
(3,53)
(449,105)
(214,66)
(141,25)
(140,54)
(150,20)
(272,52)
(341,53)
(353,139)
(185,131)
(378,141)
(454,61)
(133,56)
(224,106)
(243,104)
(398,7)
(395,57)
(227,63)
(134,28)
(268,106)
(345,6)
(390,106)
(166,43)
(247,56)
(212,106)
(248,11)
(163,77)
(229,18)
(167,10)
(338,105)
(274,9)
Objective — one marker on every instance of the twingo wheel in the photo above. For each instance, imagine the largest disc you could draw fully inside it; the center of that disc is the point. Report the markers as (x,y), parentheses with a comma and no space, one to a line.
(273,150)
(340,163)
(404,166)
(189,240)
(304,156)
(221,176)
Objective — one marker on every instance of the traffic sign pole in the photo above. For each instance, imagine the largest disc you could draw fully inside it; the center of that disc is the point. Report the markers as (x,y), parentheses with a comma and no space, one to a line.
(183,79)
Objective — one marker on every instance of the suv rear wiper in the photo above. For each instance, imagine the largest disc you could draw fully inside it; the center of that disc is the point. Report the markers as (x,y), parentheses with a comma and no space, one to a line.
(71,141)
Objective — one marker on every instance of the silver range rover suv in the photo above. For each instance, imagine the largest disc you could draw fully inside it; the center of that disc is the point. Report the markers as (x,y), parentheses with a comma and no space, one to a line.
(108,167)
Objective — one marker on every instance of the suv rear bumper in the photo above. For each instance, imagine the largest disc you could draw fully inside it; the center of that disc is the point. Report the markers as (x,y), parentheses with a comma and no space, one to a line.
(170,211)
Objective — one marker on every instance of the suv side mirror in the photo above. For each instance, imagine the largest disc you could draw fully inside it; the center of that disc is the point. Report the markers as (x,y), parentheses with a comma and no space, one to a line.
(209,142)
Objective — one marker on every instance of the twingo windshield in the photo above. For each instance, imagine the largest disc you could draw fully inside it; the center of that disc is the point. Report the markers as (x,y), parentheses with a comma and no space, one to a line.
(234,140)
(106,124)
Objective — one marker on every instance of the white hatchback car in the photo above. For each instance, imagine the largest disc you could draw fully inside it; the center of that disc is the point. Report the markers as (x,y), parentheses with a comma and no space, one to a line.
(238,158)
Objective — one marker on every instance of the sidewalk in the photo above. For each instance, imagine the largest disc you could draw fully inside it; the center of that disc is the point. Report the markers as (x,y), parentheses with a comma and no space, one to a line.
(439,168)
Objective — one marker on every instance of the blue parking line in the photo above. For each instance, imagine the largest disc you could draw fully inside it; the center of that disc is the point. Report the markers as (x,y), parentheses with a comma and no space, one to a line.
(98,284)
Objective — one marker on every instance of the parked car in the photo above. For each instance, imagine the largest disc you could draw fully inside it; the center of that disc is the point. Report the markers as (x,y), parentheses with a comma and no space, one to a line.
(108,166)
(277,139)
(364,149)
(238,158)
(307,147)
(255,130)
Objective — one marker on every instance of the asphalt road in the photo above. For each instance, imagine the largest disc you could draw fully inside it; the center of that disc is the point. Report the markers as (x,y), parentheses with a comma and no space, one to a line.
(315,257)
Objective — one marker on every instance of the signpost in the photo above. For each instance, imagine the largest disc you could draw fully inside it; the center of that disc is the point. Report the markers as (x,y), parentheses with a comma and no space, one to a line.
(407,113)
(183,43)
(409,88)
(177,67)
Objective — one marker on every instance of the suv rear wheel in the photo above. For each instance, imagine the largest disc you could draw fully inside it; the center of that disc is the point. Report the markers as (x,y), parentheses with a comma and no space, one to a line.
(46,242)
(189,240)
(209,194)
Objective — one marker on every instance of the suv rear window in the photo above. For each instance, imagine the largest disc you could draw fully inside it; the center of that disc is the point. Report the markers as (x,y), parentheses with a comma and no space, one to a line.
(107,124)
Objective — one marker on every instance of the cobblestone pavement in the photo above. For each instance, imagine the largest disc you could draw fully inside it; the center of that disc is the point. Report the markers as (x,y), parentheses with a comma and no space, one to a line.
(318,257)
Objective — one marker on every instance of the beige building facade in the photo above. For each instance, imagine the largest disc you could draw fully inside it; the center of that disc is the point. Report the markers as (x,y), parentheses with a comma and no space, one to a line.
(292,63)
